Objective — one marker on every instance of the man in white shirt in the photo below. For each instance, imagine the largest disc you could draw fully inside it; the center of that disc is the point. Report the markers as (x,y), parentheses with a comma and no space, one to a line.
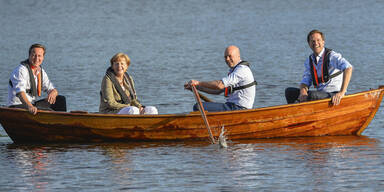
(27,82)
(326,69)
(239,86)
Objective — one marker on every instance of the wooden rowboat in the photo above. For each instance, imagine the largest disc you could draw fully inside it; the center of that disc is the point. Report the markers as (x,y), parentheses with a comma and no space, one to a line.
(315,118)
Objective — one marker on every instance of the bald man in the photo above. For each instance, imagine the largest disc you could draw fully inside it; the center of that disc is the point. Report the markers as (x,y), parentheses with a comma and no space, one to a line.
(239,86)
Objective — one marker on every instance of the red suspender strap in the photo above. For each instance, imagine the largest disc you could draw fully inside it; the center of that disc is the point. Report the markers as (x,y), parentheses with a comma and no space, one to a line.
(322,67)
(315,73)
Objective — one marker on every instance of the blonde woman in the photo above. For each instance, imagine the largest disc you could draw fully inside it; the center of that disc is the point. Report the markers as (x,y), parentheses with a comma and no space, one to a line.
(118,93)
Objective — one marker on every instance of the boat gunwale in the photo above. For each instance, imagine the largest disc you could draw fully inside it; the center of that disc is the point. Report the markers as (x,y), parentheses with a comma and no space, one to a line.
(190,114)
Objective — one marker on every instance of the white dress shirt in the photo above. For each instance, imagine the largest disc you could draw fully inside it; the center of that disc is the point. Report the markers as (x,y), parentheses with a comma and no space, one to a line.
(20,81)
(241,75)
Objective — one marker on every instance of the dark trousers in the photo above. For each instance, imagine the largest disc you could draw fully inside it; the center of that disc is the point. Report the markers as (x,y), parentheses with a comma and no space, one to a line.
(215,107)
(59,105)
(292,95)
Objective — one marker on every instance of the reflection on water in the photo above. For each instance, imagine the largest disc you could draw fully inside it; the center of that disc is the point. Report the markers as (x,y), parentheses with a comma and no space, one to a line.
(308,162)
(323,163)
(32,164)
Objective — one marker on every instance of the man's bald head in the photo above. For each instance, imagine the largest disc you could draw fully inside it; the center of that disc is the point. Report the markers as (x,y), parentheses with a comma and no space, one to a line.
(232,55)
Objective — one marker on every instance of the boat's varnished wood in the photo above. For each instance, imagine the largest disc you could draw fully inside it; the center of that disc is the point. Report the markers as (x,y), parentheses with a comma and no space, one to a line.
(317,118)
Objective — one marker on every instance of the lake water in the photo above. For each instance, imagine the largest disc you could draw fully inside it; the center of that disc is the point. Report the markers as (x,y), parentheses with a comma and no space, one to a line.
(170,42)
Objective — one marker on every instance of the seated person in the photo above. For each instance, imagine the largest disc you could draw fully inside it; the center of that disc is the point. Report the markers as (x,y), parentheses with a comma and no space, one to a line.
(239,86)
(326,69)
(118,93)
(27,82)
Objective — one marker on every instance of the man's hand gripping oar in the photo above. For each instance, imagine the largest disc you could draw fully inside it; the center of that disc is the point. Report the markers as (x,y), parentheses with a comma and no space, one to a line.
(203,97)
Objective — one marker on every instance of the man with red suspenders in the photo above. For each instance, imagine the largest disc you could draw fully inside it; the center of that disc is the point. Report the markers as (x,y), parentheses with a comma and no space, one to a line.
(326,69)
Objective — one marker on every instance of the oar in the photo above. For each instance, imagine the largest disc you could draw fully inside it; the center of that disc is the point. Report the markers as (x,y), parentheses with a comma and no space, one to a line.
(203,97)
(201,109)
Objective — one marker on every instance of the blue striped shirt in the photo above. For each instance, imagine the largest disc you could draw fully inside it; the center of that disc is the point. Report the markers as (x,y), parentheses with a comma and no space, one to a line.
(337,63)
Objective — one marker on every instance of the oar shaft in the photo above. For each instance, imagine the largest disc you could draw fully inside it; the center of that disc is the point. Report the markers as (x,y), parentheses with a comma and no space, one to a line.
(203,97)
(202,111)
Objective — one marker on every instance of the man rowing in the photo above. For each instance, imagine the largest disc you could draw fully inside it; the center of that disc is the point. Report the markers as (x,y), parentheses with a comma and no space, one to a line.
(239,86)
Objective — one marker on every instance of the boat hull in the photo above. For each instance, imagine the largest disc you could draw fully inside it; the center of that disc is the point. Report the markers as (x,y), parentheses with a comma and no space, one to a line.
(316,118)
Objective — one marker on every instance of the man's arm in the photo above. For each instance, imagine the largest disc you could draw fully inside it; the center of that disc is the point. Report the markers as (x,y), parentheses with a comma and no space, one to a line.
(28,105)
(19,80)
(303,92)
(305,82)
(51,90)
(346,79)
(52,94)
(211,87)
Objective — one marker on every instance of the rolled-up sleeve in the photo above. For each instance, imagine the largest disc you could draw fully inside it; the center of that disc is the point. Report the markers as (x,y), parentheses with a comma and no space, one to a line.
(307,77)
(20,79)
(47,84)
(339,62)
(233,78)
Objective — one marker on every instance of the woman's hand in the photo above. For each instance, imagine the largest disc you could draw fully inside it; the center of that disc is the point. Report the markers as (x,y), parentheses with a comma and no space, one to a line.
(142,110)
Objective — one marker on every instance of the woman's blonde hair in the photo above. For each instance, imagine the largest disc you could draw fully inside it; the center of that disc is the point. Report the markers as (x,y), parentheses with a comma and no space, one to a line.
(120,55)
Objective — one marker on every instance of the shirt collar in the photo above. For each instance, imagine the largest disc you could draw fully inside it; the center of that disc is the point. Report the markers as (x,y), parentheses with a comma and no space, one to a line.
(233,68)
(237,64)
(321,53)
(318,56)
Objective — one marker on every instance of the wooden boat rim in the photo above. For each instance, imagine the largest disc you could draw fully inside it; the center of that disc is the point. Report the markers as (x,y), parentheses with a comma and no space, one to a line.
(190,114)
